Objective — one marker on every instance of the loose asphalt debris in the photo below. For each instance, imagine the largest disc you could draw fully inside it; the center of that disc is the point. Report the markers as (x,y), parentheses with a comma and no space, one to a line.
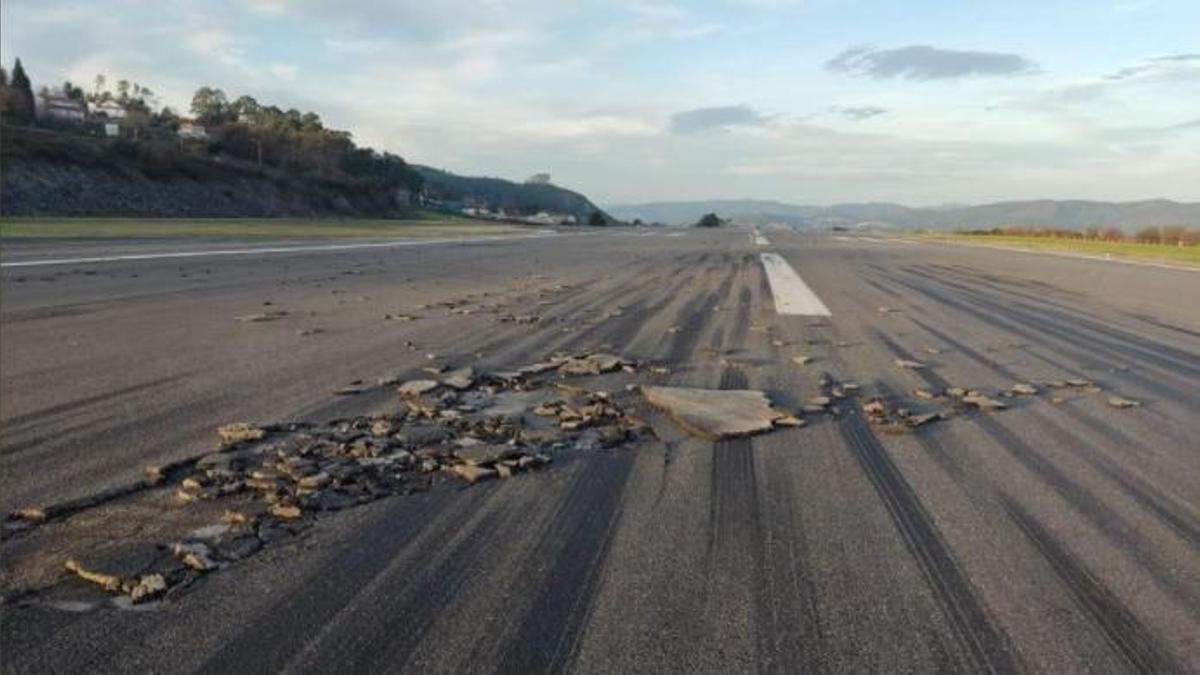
(265,483)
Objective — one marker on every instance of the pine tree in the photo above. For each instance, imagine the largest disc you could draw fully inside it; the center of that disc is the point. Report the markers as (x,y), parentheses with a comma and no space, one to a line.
(21,109)
(4,95)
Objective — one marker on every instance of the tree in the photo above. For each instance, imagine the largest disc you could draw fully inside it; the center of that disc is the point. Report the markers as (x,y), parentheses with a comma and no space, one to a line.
(20,105)
(310,121)
(209,105)
(245,106)
(167,119)
(597,219)
(1148,235)
(538,179)
(710,220)
(4,95)
(72,92)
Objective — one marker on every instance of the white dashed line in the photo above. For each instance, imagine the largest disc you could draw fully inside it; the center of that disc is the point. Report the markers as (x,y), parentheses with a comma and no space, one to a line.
(792,295)
(760,240)
(257,251)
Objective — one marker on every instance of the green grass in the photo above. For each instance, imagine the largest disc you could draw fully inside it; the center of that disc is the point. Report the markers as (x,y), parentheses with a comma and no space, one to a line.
(1187,255)
(425,225)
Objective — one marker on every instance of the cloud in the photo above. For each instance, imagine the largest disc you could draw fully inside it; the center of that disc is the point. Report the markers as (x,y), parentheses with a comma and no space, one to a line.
(1169,67)
(857,113)
(922,62)
(356,47)
(1129,83)
(700,119)
(655,20)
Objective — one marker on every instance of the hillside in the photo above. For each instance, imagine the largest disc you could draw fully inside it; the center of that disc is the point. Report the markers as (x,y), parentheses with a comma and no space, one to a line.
(48,173)
(496,193)
(1044,213)
(44,173)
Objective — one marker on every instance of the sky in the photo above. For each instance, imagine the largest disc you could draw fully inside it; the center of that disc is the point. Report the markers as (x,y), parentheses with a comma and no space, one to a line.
(805,101)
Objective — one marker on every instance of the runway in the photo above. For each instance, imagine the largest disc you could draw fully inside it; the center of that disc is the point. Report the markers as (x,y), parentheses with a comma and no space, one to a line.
(1053,536)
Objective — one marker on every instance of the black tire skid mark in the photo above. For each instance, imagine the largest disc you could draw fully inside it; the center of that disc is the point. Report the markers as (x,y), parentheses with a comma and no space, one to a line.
(985,645)
(1127,635)
(1069,346)
(580,542)
(1170,510)
(1075,330)
(274,643)
(1084,501)
(1107,521)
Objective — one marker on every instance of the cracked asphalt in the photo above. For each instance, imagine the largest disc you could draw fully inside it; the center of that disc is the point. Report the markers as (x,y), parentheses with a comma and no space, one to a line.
(1061,534)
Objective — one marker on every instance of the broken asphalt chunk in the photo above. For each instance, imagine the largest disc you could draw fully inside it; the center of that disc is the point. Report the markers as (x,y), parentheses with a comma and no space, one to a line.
(975,399)
(414,388)
(715,413)
(1119,402)
(240,431)
(591,364)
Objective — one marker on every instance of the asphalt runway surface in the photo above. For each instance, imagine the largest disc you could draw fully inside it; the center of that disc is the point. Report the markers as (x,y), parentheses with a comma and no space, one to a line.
(1049,537)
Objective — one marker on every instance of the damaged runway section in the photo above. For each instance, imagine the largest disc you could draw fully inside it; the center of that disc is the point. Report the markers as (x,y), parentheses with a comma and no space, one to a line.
(792,296)
(266,484)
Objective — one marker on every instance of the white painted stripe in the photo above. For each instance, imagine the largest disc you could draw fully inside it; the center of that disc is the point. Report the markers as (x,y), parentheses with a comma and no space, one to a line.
(761,240)
(792,295)
(265,250)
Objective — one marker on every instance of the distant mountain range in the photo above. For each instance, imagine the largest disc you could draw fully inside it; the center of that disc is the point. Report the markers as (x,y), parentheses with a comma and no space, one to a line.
(1041,213)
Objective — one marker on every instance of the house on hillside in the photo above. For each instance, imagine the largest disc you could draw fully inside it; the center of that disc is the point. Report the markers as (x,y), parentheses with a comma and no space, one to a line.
(109,110)
(546,218)
(403,197)
(56,105)
(191,129)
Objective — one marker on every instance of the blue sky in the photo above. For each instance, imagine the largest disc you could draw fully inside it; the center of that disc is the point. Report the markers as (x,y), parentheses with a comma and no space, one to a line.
(812,101)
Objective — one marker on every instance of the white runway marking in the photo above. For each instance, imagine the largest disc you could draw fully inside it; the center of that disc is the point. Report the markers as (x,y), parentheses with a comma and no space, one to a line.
(760,240)
(265,250)
(792,295)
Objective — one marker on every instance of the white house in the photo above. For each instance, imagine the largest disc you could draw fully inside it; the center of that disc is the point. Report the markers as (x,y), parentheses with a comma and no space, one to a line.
(192,129)
(110,109)
(56,105)
(545,218)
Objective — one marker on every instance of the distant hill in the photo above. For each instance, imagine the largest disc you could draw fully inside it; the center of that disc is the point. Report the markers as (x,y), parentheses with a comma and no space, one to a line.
(1042,213)
(497,193)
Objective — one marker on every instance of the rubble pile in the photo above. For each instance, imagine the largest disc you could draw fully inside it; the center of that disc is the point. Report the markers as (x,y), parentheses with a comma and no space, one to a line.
(897,419)
(460,426)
